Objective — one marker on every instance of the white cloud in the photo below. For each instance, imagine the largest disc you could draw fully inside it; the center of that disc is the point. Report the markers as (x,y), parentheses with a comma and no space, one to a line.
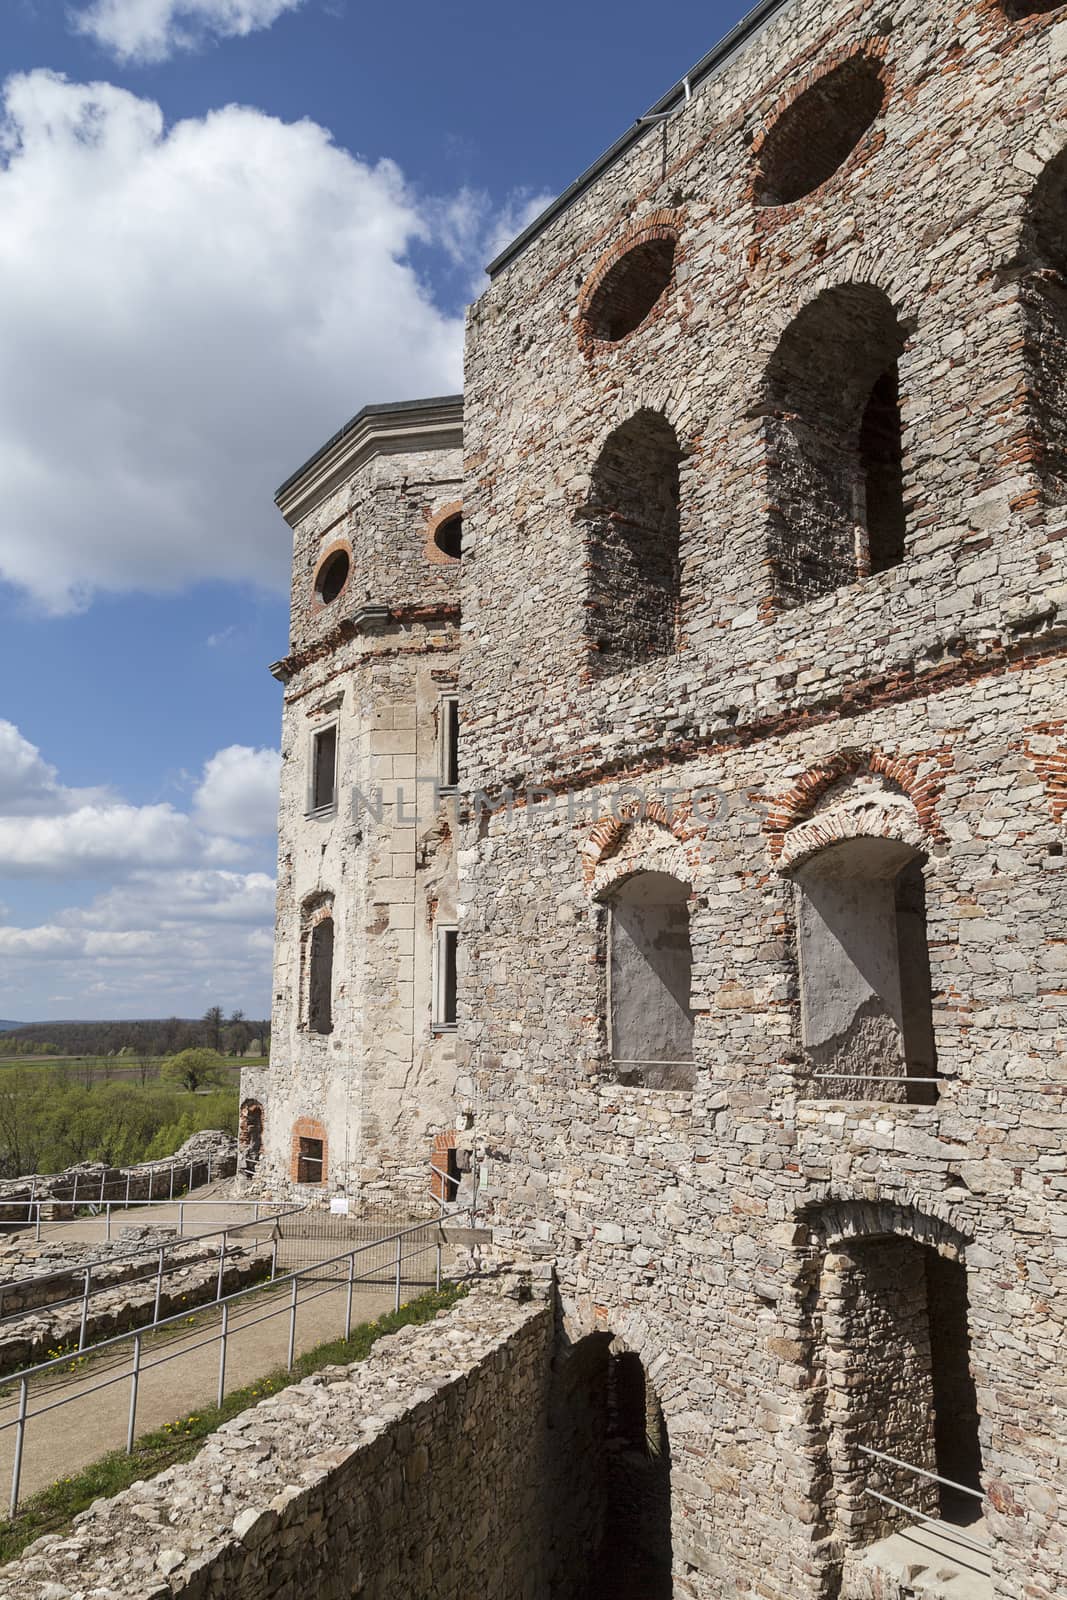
(187,312)
(238,794)
(184,916)
(152,30)
(29,785)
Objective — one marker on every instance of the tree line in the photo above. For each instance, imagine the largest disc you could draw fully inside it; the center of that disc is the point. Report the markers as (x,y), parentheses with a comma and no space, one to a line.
(231,1034)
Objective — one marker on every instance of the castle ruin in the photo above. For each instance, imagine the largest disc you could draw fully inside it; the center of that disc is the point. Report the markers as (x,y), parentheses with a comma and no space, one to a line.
(735,967)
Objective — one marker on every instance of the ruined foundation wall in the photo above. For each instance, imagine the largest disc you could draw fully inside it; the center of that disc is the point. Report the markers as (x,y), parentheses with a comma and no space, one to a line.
(427,1469)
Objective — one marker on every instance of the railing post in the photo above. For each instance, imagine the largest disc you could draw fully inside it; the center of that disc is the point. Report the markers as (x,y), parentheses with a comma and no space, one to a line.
(159,1285)
(292,1330)
(108,1211)
(399,1244)
(189,1185)
(135,1379)
(181,1218)
(348,1294)
(37,1239)
(170,1196)
(222,1352)
(439,1264)
(222,1266)
(274,1258)
(20,1436)
(85,1308)
(103,1184)
(129,1175)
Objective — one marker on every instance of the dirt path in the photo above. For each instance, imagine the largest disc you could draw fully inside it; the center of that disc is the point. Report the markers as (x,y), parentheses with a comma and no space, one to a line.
(180,1371)
(176,1378)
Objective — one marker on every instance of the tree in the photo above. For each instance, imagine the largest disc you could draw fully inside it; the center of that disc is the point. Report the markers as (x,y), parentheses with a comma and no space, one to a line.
(195,1069)
(213,1024)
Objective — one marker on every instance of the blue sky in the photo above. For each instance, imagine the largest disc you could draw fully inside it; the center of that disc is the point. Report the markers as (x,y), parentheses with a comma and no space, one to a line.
(225,225)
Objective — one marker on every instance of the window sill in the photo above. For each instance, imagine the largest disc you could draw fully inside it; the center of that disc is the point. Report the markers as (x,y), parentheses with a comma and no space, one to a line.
(322,812)
(437,1028)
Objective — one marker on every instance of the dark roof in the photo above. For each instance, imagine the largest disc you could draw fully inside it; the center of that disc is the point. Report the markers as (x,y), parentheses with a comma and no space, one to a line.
(442,400)
(717,57)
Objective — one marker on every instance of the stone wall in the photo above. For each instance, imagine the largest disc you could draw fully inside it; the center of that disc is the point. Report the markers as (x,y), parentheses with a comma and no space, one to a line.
(430,1468)
(823,689)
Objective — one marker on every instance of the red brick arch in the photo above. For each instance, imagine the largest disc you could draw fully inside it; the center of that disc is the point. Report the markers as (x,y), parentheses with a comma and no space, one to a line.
(307,1128)
(662,224)
(439,1165)
(434,556)
(875,49)
(904,771)
(607,836)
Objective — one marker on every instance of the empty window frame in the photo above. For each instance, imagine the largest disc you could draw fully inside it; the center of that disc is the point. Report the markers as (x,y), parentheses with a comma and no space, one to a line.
(446,945)
(448,741)
(865,985)
(322,785)
(650,974)
(309,1162)
(320,977)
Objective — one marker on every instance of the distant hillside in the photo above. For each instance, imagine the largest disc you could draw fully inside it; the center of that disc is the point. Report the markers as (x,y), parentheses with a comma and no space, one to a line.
(150,1037)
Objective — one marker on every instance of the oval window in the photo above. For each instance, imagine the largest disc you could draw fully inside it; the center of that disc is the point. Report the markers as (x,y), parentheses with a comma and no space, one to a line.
(448,536)
(332,577)
(819,131)
(627,293)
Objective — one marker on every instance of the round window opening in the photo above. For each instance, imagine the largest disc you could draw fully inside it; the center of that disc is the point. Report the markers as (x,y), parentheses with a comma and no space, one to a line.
(448,537)
(628,292)
(1018,10)
(333,575)
(819,131)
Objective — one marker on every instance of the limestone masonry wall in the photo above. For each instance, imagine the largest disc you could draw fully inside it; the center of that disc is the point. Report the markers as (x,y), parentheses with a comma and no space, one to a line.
(427,1469)
(845,740)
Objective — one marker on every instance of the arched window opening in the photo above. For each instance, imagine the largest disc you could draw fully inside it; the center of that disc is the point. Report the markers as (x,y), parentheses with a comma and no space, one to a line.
(818,132)
(895,1313)
(835,444)
(650,975)
(865,989)
(332,576)
(250,1135)
(448,536)
(629,290)
(1044,294)
(614,1464)
(320,977)
(633,545)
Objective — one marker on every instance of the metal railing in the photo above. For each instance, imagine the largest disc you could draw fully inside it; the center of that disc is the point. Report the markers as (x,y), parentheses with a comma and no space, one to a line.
(385,1269)
(94,1195)
(948,1529)
(263,1211)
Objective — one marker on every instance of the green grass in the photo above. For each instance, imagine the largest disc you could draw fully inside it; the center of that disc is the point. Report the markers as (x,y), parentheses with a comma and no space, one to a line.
(52,1510)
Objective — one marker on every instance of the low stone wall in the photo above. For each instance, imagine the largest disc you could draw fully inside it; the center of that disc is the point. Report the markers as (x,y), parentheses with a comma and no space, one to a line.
(435,1468)
(35,1275)
(202,1158)
(190,1281)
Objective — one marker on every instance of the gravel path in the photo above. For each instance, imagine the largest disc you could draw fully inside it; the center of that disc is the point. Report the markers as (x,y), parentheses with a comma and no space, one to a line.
(177,1377)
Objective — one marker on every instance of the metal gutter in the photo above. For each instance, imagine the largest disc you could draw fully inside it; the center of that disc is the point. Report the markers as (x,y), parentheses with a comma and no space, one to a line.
(718,57)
